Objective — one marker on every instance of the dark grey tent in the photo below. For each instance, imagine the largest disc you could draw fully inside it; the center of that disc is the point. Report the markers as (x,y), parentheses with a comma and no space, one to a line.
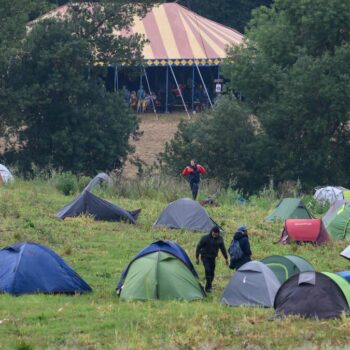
(185,213)
(254,284)
(313,295)
(100,209)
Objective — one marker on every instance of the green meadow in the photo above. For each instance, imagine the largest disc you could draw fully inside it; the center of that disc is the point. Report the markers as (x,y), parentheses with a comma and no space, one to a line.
(99,251)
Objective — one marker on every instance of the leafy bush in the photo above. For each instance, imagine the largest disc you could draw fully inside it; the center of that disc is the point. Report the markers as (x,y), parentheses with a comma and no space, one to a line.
(67,183)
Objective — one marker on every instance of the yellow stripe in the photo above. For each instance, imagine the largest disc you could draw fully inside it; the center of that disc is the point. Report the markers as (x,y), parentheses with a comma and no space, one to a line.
(197,50)
(217,49)
(139,28)
(166,32)
(229,36)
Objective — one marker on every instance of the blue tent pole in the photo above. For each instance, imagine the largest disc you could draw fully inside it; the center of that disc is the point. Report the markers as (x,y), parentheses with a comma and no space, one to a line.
(193,85)
(167,90)
(115,83)
(116,68)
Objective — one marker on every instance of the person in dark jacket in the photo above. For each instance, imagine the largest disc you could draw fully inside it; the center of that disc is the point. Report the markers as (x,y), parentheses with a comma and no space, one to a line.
(208,248)
(194,172)
(242,237)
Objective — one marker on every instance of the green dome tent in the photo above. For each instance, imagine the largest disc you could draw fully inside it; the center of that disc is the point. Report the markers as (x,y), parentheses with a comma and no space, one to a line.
(286,266)
(337,220)
(160,275)
(289,208)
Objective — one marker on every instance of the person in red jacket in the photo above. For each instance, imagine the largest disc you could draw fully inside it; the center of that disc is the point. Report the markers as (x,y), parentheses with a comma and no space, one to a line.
(194,171)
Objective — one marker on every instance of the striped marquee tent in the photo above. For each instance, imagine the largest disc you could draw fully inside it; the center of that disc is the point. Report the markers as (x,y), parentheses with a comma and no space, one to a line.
(177,37)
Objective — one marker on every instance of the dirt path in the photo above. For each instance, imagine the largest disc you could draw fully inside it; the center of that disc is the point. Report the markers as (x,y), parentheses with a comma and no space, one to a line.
(155,134)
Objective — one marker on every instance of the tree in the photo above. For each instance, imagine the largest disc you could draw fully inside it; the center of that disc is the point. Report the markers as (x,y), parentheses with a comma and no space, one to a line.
(226,140)
(61,115)
(233,13)
(294,74)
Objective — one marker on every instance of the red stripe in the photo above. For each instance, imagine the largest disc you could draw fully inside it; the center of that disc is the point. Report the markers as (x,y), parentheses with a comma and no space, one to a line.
(153,35)
(210,53)
(179,32)
(207,31)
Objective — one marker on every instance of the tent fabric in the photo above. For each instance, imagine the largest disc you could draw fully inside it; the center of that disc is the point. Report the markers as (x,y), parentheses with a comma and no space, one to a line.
(96,181)
(286,266)
(345,275)
(289,208)
(170,247)
(346,253)
(185,214)
(176,36)
(338,224)
(321,298)
(329,194)
(304,230)
(160,275)
(342,284)
(254,284)
(332,211)
(34,268)
(100,209)
(5,174)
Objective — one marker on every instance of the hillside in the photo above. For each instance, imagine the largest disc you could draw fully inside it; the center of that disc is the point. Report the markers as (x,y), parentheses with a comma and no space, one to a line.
(99,251)
(155,133)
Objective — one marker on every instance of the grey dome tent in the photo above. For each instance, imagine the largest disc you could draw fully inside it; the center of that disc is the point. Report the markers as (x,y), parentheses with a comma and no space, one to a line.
(286,266)
(313,295)
(186,214)
(254,284)
(97,180)
(100,209)
(289,208)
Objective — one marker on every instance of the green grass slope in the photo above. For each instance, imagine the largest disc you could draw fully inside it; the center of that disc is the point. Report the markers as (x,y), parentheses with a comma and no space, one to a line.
(99,251)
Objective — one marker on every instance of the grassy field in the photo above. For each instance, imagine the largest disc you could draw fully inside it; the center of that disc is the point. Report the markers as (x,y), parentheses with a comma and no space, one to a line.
(99,251)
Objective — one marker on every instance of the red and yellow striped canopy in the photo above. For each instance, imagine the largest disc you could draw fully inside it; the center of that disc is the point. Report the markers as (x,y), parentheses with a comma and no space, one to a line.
(177,36)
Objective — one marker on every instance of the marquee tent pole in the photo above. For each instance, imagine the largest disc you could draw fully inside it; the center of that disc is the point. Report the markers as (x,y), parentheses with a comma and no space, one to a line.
(116,79)
(205,87)
(193,86)
(150,93)
(167,90)
(178,87)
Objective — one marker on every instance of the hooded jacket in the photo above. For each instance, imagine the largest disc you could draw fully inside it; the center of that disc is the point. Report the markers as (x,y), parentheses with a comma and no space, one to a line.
(208,247)
(243,240)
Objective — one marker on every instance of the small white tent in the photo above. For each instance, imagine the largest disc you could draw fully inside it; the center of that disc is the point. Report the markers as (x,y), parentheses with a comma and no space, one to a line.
(329,194)
(346,253)
(5,174)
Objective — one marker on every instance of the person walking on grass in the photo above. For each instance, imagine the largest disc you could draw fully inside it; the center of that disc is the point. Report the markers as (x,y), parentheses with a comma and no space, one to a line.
(239,250)
(194,171)
(208,248)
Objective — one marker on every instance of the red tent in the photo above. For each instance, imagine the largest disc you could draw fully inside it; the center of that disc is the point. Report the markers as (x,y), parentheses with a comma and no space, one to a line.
(304,230)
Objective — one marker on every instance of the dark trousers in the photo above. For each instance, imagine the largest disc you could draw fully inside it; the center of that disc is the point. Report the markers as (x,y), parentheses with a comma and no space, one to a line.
(209,267)
(194,189)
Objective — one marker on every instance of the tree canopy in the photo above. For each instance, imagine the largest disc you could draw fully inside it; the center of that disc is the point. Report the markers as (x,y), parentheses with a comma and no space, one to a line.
(56,111)
(294,74)
(233,13)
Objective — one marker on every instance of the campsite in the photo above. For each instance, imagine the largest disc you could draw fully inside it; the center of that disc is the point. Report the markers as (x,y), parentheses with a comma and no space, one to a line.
(174,174)
(100,250)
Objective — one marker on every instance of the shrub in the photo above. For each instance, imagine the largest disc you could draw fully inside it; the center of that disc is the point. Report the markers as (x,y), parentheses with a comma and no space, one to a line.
(66,183)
